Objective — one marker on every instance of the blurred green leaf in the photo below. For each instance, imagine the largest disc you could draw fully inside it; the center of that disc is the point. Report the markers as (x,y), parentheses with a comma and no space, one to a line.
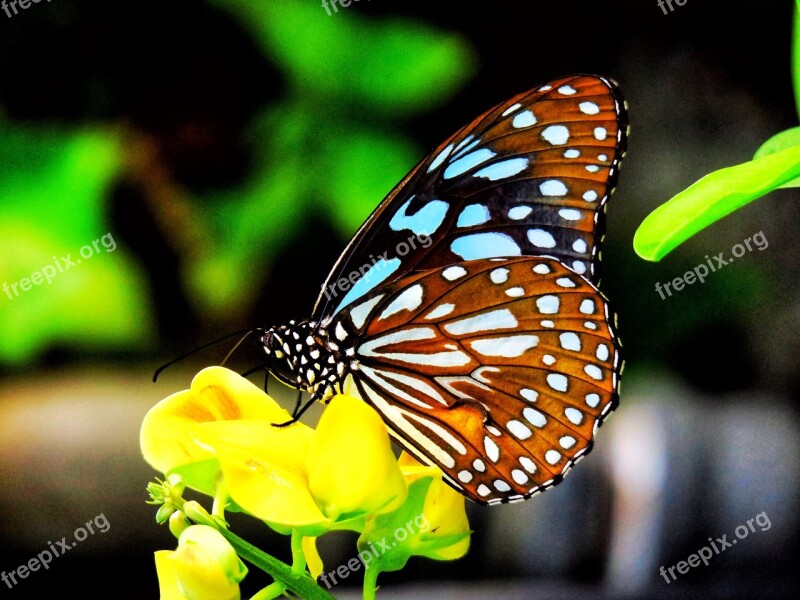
(386,65)
(318,150)
(710,199)
(52,184)
(796,56)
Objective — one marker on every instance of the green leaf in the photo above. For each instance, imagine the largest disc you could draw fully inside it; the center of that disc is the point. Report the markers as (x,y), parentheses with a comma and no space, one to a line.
(388,65)
(781,141)
(52,189)
(796,56)
(711,198)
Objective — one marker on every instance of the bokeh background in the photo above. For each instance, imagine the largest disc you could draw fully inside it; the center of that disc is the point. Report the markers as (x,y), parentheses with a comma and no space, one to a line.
(231,147)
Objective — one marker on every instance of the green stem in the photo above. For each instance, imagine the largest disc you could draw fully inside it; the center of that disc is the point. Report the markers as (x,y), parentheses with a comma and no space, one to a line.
(272,591)
(299,583)
(371,583)
(220,501)
(298,556)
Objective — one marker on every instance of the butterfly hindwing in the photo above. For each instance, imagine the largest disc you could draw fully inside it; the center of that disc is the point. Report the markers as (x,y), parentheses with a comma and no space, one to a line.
(529,177)
(499,371)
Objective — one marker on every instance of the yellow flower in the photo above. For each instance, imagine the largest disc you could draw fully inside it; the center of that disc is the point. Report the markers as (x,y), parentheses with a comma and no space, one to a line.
(294,478)
(444,510)
(204,567)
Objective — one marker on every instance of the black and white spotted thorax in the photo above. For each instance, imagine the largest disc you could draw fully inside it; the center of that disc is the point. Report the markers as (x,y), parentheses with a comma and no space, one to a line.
(304,356)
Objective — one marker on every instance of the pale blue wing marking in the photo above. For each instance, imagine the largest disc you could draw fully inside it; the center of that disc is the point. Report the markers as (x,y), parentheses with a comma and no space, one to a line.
(375,275)
(423,222)
(485,245)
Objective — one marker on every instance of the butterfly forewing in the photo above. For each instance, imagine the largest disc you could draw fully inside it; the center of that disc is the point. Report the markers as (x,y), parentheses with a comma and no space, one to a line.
(529,177)
(497,370)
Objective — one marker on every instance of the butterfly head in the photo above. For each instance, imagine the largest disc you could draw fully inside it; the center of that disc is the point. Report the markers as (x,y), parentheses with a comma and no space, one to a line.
(298,357)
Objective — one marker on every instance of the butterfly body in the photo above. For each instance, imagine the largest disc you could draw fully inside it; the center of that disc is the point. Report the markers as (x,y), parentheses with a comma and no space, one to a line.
(465,310)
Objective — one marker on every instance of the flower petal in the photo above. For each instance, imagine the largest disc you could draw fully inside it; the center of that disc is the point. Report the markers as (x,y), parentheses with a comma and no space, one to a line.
(264,469)
(351,467)
(167,577)
(206,565)
(216,394)
(313,559)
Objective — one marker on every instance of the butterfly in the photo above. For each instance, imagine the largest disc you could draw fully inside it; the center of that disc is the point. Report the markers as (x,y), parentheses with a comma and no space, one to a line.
(465,309)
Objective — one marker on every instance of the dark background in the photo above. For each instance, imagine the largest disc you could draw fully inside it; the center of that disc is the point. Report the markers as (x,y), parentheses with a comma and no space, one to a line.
(232,147)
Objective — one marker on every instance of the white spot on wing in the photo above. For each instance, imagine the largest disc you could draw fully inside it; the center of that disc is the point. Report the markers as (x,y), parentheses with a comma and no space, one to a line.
(508,347)
(440,311)
(553,187)
(360,313)
(499,275)
(589,108)
(556,135)
(453,273)
(552,457)
(547,305)
(410,299)
(511,109)
(587,307)
(492,450)
(524,119)
(534,417)
(501,486)
(557,381)
(519,212)
(567,90)
(570,341)
(600,133)
(570,214)
(519,476)
(594,372)
(541,238)
(519,430)
(574,415)
(592,400)
(529,395)
(488,321)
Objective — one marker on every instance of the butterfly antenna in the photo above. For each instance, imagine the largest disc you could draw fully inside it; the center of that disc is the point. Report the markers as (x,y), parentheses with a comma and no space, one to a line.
(160,369)
(239,343)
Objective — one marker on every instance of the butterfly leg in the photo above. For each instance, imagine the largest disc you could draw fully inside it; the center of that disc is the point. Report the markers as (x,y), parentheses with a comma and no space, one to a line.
(299,410)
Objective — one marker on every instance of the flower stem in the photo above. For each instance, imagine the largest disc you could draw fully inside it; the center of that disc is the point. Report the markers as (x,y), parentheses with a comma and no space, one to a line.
(371,583)
(298,556)
(300,583)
